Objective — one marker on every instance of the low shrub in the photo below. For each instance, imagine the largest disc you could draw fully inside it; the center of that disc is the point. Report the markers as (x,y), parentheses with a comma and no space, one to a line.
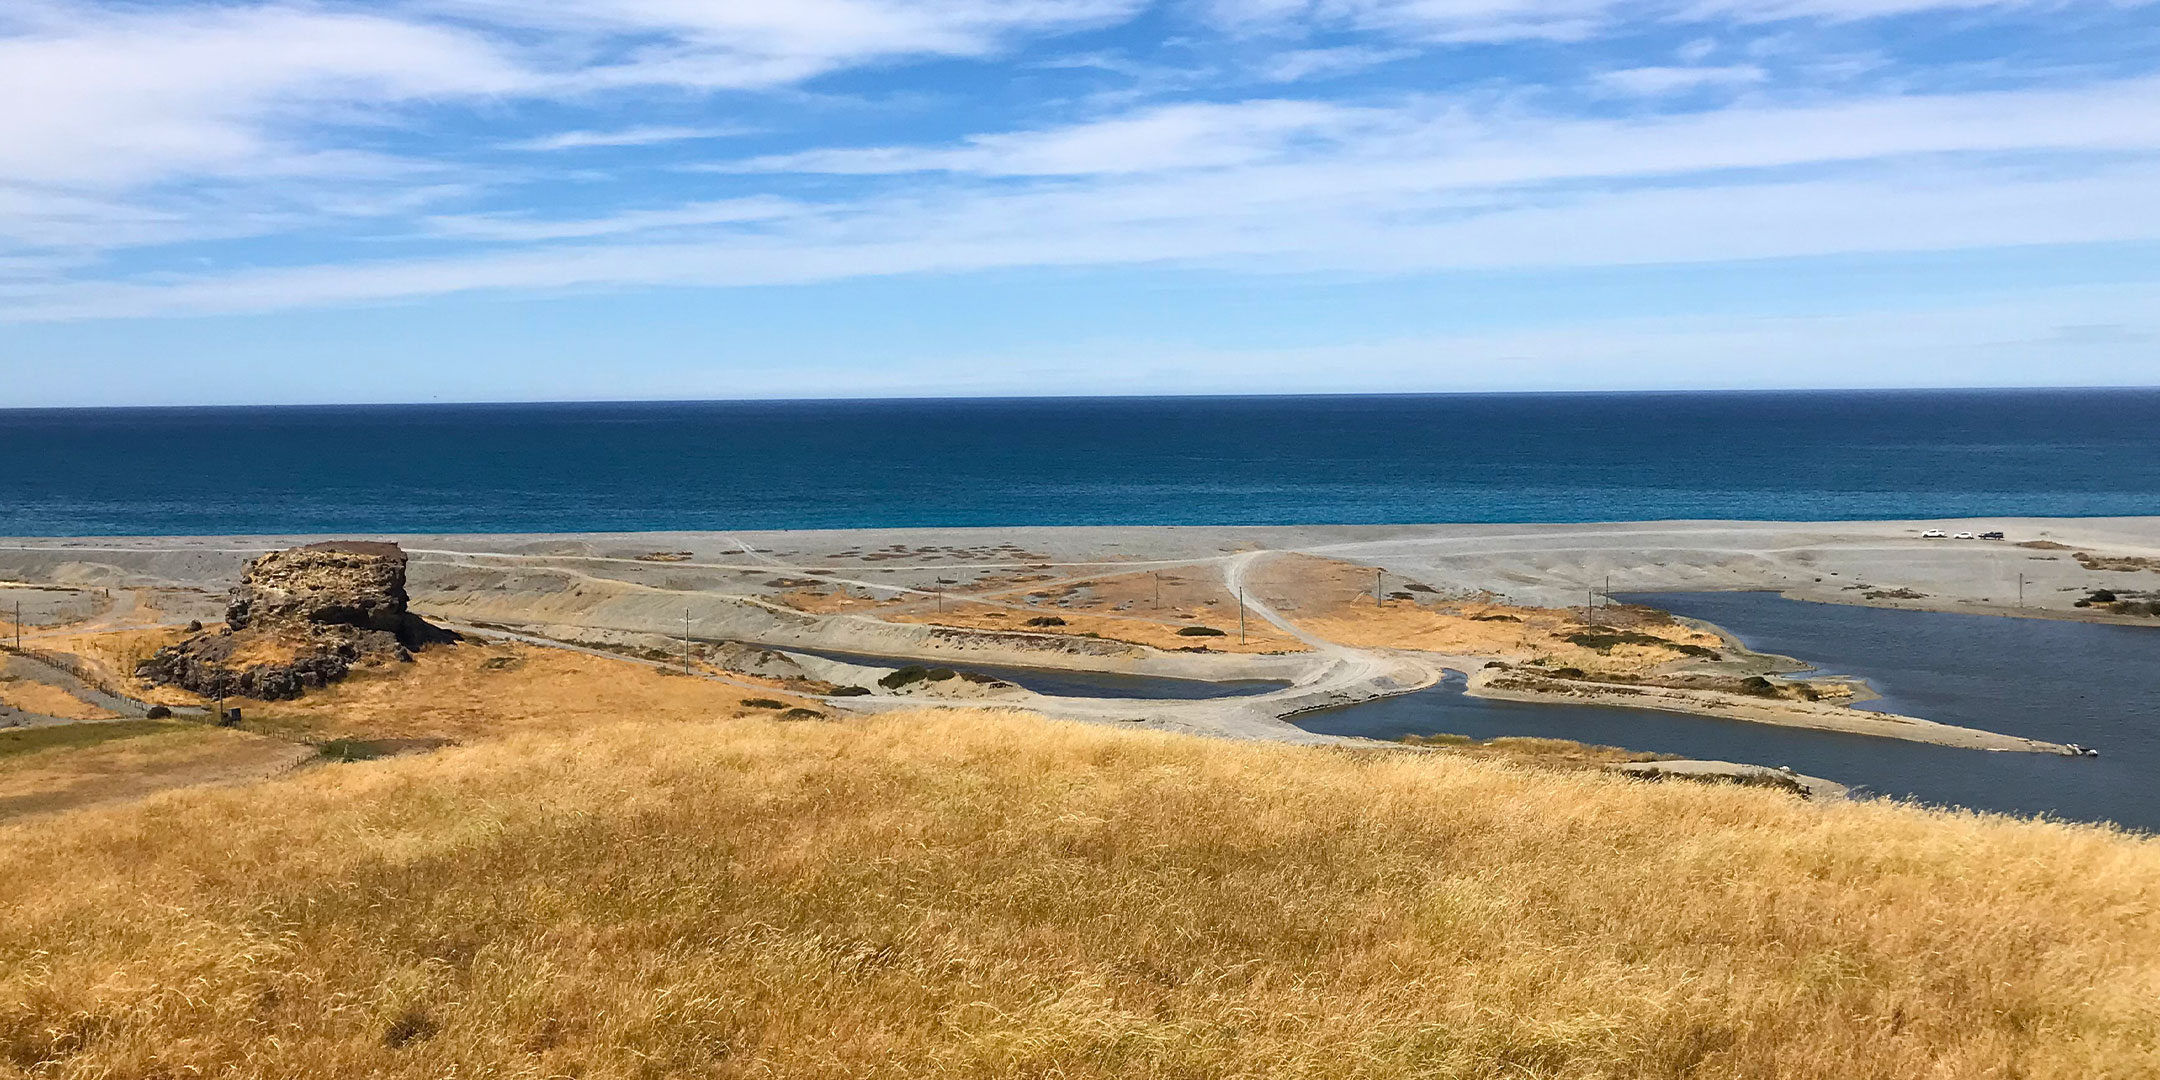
(1046,620)
(763,703)
(913,673)
(850,691)
(1759,686)
(1199,631)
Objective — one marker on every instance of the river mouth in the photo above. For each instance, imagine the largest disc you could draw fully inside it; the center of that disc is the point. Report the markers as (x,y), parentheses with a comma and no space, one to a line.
(1059,682)
(2055,681)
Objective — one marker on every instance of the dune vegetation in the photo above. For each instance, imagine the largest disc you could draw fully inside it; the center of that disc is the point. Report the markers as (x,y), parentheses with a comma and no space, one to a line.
(985,894)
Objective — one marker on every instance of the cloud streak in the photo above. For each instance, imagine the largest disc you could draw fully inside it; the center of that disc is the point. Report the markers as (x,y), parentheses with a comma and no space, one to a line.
(350,131)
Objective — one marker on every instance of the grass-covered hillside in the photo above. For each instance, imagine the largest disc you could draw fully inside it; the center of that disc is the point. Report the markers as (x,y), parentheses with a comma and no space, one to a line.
(982,895)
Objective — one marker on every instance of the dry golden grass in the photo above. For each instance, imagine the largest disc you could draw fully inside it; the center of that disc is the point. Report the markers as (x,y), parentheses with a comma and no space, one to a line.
(987,895)
(1334,600)
(114,654)
(481,690)
(47,700)
(108,763)
(1120,607)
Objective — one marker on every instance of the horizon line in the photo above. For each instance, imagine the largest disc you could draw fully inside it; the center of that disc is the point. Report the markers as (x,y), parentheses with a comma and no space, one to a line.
(928,398)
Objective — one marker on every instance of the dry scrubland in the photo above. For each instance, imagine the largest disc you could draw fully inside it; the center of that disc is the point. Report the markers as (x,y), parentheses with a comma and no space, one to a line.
(986,894)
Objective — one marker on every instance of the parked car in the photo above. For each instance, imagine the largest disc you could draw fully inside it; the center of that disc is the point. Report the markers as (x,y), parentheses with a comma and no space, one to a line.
(1992,536)
(1965,536)
(1934,534)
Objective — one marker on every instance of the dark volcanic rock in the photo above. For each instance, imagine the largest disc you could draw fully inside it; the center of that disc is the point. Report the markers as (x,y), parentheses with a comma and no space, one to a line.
(300,619)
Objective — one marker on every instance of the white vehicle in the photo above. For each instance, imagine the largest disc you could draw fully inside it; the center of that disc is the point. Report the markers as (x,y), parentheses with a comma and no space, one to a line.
(1965,536)
(1934,534)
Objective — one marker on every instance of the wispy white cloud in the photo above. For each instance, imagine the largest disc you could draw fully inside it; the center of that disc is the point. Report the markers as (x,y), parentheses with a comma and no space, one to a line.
(1655,81)
(1299,65)
(1167,137)
(190,122)
(1331,215)
(112,99)
(650,135)
(1564,20)
(521,229)
(1444,143)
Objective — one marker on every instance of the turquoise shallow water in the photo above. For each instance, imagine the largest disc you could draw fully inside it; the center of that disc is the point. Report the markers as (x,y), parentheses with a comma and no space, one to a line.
(1307,460)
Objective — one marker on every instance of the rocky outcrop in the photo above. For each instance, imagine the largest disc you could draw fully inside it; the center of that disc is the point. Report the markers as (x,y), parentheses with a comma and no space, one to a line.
(353,584)
(301,619)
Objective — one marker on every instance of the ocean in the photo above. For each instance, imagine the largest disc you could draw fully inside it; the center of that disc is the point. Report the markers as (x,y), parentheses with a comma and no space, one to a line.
(1134,461)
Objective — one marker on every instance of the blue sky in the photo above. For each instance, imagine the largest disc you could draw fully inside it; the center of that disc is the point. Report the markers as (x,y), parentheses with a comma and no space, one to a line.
(563,199)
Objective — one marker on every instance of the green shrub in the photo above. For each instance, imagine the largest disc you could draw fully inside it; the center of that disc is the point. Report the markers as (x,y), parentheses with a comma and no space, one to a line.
(913,673)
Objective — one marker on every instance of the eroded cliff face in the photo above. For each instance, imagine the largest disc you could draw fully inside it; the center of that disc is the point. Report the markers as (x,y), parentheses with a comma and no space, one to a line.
(354,584)
(299,619)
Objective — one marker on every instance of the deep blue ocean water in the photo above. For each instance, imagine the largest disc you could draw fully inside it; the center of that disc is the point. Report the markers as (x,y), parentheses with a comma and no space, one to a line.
(1346,460)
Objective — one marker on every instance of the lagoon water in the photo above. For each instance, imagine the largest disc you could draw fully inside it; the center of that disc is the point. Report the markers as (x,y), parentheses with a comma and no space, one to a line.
(2058,681)
(1141,461)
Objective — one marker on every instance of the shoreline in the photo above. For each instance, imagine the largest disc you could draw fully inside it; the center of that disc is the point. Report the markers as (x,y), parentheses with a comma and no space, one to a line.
(1792,714)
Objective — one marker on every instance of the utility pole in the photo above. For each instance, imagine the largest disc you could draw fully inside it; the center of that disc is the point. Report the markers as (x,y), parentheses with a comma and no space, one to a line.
(2021,591)
(1158,590)
(686,641)
(18,626)
(1378,600)
(1241,616)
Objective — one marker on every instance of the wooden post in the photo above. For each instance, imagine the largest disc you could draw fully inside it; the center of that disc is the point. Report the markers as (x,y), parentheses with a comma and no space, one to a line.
(1241,616)
(1377,600)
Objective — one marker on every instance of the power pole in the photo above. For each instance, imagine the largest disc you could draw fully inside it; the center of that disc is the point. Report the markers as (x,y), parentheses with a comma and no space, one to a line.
(1377,595)
(1241,616)
(1158,590)
(686,641)
(2021,591)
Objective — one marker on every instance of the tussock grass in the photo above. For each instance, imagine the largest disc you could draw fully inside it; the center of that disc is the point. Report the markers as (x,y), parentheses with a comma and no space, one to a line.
(990,895)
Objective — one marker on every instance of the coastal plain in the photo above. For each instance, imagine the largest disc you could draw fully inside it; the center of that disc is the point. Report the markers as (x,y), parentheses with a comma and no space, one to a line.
(1335,615)
(803,804)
